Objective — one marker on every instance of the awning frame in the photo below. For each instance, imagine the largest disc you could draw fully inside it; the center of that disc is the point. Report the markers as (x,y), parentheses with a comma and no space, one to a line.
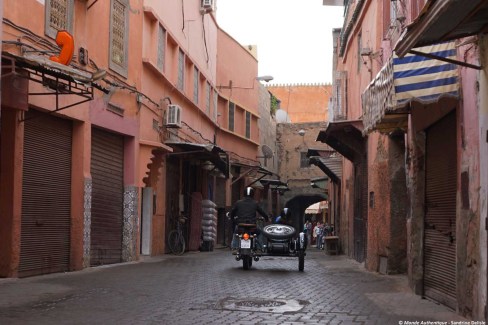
(346,137)
(210,152)
(58,81)
(444,21)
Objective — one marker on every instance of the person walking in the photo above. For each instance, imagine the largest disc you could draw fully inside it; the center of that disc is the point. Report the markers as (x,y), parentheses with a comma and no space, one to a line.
(319,230)
(307,228)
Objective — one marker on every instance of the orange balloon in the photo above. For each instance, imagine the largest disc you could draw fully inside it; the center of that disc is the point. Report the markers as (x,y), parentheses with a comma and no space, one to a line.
(67,44)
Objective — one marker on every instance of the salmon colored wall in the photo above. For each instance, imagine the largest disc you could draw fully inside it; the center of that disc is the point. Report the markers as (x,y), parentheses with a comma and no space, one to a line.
(242,75)
(303,103)
(186,25)
(90,31)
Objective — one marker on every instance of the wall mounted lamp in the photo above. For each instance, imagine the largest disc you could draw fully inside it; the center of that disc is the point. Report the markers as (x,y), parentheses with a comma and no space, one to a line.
(260,78)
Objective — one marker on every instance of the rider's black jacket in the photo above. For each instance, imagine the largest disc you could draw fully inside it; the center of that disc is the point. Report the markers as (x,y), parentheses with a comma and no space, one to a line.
(245,211)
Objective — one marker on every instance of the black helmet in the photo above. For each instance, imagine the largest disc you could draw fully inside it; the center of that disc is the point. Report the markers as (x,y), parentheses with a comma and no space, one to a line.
(249,191)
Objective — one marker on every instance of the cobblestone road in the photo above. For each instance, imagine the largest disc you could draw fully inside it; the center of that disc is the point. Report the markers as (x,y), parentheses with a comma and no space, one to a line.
(212,288)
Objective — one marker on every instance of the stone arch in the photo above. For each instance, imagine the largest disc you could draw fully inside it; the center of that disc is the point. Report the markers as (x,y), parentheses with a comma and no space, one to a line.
(299,203)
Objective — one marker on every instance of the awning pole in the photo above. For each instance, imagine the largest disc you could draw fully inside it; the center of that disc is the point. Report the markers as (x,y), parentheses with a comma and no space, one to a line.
(241,176)
(441,58)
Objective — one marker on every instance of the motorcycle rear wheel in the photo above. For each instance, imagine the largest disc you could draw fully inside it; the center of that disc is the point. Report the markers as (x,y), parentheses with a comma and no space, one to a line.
(301,261)
(246,262)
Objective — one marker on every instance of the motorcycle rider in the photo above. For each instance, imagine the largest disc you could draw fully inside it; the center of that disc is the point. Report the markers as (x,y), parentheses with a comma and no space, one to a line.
(284,217)
(244,211)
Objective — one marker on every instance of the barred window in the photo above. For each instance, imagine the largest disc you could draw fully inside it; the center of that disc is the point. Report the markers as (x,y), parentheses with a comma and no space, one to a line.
(119,26)
(248,125)
(215,106)
(196,84)
(304,161)
(59,16)
(161,47)
(181,70)
(208,91)
(232,108)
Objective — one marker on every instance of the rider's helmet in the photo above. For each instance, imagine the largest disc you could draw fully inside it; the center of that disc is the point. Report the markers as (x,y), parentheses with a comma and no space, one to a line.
(249,191)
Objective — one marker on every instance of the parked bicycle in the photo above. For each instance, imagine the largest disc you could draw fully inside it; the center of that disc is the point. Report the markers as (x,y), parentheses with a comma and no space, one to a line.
(176,240)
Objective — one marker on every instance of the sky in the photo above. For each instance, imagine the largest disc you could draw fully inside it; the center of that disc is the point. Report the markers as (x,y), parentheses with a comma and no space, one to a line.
(293,37)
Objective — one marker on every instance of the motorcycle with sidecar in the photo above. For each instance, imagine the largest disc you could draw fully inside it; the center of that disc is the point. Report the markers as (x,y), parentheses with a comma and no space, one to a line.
(279,240)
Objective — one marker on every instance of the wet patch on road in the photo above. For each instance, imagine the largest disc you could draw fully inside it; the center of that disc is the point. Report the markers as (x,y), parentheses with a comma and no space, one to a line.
(280,306)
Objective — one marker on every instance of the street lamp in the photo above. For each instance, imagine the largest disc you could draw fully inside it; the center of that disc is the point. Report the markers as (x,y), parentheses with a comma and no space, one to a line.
(260,78)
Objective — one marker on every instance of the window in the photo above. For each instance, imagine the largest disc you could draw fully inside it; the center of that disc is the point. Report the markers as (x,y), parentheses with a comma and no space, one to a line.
(232,108)
(215,106)
(59,16)
(181,70)
(161,47)
(248,125)
(304,161)
(208,91)
(119,36)
(360,46)
(196,84)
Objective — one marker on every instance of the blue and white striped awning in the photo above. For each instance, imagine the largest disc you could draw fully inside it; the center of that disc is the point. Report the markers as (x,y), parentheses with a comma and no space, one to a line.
(420,78)
(411,78)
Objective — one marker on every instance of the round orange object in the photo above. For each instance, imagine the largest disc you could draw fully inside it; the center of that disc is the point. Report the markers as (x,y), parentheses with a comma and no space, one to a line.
(245,236)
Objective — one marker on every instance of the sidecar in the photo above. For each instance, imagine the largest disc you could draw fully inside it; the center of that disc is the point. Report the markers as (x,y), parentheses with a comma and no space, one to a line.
(279,240)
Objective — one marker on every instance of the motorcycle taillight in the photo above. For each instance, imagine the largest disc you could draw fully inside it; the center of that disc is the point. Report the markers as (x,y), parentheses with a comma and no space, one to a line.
(245,236)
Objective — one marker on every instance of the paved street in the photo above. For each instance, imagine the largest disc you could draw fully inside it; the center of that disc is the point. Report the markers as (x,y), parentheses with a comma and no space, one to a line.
(212,288)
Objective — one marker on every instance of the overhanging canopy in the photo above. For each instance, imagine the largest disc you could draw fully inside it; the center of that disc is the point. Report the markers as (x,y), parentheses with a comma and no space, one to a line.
(257,171)
(204,152)
(403,80)
(346,138)
(329,161)
(313,209)
(320,182)
(444,20)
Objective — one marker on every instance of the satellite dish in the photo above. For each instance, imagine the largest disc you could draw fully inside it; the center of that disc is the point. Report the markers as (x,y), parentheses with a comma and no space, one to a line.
(267,152)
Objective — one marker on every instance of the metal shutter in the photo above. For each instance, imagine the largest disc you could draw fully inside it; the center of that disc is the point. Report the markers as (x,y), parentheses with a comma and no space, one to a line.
(107,170)
(195,222)
(440,218)
(360,210)
(46,195)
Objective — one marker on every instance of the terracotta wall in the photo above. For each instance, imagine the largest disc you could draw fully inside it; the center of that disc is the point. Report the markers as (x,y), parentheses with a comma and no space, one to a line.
(302,102)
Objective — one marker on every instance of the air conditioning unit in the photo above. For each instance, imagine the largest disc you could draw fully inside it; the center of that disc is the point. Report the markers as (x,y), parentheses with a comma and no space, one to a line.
(207,5)
(173,116)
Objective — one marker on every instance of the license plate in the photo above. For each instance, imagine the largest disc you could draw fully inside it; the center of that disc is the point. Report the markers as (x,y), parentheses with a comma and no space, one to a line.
(245,243)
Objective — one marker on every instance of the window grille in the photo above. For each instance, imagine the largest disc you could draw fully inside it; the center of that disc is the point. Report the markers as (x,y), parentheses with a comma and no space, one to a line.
(196,84)
(232,108)
(215,106)
(339,98)
(161,47)
(181,70)
(208,91)
(119,37)
(59,16)
(248,125)
(304,161)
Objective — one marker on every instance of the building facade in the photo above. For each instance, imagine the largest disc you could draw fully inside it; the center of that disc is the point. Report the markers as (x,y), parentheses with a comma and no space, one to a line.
(113,130)
(407,115)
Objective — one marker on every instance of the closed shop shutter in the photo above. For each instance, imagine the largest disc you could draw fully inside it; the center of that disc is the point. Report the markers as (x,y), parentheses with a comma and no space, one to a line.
(195,233)
(440,218)
(107,171)
(360,211)
(46,195)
